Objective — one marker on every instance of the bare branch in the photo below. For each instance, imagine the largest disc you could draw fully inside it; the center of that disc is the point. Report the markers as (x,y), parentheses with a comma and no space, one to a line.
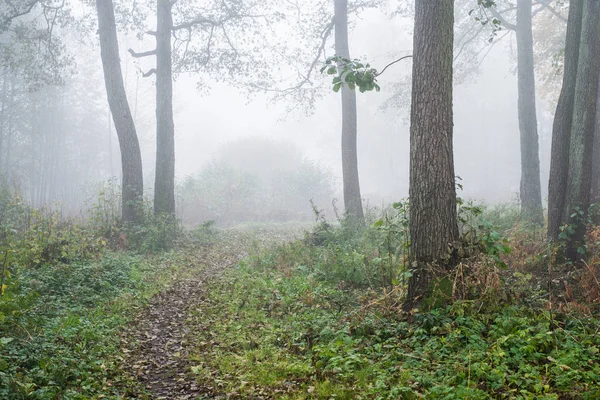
(505,23)
(143,54)
(196,21)
(490,49)
(306,78)
(149,73)
(466,42)
(545,5)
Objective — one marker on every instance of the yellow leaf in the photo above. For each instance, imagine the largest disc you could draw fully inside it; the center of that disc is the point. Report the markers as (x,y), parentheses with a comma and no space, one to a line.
(2,289)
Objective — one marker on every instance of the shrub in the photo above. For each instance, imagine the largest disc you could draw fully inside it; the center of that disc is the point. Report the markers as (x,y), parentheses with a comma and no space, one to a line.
(254,180)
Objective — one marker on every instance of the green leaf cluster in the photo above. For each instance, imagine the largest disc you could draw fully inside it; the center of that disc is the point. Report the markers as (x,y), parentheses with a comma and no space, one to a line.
(351,73)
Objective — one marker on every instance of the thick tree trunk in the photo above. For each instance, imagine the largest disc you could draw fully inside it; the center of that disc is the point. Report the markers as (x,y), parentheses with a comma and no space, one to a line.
(433,220)
(164,184)
(584,123)
(352,199)
(531,192)
(595,191)
(131,159)
(563,119)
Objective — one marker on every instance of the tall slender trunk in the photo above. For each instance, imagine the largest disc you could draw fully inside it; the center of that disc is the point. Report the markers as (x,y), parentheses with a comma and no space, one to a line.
(531,194)
(433,219)
(352,199)
(582,132)
(563,120)
(10,131)
(3,122)
(164,185)
(131,159)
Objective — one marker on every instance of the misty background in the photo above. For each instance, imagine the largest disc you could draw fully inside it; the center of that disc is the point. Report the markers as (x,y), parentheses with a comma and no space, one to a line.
(216,124)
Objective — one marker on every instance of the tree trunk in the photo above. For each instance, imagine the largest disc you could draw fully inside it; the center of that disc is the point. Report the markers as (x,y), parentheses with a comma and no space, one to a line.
(595,191)
(164,184)
(531,192)
(131,159)
(563,120)
(352,199)
(582,132)
(2,124)
(433,219)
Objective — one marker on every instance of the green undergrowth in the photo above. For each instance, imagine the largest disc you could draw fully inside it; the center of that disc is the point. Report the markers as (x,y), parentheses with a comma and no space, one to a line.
(58,337)
(286,324)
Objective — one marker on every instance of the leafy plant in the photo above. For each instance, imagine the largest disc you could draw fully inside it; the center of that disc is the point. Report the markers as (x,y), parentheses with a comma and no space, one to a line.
(352,73)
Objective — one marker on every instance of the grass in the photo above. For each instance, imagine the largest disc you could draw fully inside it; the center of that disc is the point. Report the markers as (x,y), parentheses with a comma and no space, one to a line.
(318,317)
(288,324)
(62,340)
(61,320)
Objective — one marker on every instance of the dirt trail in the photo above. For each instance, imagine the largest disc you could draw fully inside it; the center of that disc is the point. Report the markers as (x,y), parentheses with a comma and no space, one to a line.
(157,345)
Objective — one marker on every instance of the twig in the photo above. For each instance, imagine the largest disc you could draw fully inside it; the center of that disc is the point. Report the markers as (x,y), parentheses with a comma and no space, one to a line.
(392,63)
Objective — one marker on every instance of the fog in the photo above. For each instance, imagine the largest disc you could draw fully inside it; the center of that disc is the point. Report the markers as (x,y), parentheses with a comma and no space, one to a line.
(212,115)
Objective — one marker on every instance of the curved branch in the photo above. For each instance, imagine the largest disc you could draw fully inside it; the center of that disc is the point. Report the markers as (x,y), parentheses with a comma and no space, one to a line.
(392,63)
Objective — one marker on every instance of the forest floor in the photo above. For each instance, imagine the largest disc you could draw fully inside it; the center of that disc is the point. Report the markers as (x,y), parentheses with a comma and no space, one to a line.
(112,324)
(157,344)
(251,313)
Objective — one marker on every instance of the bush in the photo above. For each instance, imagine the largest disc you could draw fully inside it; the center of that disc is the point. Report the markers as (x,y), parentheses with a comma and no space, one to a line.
(254,180)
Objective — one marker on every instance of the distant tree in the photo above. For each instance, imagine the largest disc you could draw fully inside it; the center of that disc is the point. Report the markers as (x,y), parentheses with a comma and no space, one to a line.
(131,160)
(30,41)
(200,37)
(433,215)
(352,198)
(530,190)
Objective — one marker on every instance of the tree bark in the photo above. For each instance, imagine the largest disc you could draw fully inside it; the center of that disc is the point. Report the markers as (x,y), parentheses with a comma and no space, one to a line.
(131,159)
(433,216)
(595,191)
(563,120)
(352,198)
(583,127)
(164,184)
(531,193)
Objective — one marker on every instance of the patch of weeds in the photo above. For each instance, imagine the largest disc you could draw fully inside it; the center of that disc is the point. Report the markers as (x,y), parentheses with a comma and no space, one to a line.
(277,327)
(60,340)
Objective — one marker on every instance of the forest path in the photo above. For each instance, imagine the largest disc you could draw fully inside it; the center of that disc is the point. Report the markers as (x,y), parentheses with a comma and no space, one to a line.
(157,344)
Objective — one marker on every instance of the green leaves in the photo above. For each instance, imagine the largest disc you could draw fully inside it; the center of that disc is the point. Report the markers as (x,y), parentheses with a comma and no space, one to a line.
(480,15)
(352,73)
